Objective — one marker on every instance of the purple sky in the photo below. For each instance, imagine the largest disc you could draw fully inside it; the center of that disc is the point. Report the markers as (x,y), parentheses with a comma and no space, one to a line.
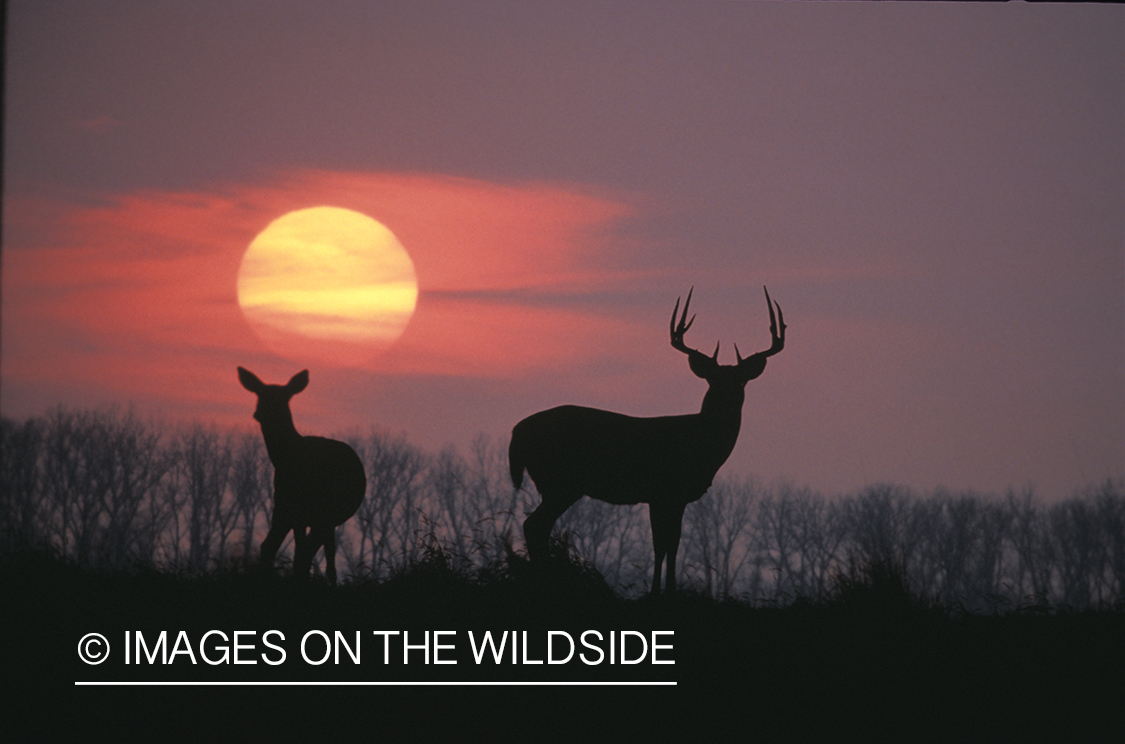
(935,194)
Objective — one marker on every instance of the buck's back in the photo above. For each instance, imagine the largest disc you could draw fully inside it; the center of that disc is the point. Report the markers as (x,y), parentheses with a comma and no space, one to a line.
(617,458)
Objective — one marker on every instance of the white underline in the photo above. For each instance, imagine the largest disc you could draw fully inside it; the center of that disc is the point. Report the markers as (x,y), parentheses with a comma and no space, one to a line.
(365,684)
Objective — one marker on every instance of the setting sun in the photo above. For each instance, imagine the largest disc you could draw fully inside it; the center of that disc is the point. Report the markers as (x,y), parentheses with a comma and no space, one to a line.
(327,284)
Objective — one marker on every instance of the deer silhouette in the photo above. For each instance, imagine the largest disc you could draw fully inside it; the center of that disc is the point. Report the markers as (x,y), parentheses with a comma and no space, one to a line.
(318,483)
(666,461)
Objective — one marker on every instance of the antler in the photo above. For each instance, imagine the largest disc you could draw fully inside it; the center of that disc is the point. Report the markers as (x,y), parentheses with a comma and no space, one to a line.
(777,336)
(677,331)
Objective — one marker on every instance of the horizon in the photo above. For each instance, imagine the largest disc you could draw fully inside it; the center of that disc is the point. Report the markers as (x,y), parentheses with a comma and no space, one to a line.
(933,195)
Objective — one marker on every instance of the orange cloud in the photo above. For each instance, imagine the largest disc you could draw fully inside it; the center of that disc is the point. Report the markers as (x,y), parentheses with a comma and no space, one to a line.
(136,293)
(471,235)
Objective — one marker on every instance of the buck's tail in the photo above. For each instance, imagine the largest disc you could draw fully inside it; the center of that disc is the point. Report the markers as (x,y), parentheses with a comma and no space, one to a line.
(516,459)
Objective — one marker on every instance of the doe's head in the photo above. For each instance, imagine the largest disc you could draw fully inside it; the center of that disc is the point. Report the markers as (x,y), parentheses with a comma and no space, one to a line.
(273,400)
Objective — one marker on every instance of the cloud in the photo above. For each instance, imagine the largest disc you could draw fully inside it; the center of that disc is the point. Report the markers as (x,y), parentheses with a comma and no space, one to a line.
(128,294)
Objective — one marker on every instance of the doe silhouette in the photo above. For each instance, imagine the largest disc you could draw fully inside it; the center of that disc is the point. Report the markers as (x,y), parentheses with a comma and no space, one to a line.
(318,483)
(666,461)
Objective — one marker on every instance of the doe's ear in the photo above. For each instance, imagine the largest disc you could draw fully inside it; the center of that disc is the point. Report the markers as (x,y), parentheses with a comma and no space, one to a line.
(298,382)
(250,380)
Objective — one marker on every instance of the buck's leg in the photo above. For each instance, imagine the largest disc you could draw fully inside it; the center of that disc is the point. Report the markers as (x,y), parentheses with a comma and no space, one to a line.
(666,524)
(537,526)
(675,526)
(330,556)
(656,518)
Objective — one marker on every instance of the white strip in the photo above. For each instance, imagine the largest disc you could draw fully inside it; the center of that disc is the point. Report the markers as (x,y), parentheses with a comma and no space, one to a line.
(361,684)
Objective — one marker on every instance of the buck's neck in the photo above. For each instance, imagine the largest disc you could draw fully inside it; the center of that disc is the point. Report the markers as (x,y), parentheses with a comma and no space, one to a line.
(722,416)
(280,435)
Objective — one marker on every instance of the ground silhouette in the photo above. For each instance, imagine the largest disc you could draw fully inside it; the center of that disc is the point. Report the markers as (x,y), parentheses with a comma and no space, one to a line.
(871,660)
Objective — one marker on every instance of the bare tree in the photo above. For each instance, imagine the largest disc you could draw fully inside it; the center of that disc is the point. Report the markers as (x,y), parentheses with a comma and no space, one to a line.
(204,470)
(452,514)
(390,511)
(1109,500)
(252,489)
(1030,539)
(721,528)
(816,540)
(107,489)
(613,539)
(875,520)
(1076,545)
(94,475)
(777,535)
(496,506)
(138,463)
(21,484)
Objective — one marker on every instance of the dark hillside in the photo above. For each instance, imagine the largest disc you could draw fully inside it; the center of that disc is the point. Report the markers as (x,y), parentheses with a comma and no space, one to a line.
(872,659)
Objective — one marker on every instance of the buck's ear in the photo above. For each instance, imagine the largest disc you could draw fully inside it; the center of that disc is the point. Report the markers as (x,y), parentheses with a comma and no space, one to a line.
(703,366)
(250,380)
(298,382)
(751,367)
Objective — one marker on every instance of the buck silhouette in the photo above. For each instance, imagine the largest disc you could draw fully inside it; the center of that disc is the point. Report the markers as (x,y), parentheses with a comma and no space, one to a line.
(666,461)
(318,483)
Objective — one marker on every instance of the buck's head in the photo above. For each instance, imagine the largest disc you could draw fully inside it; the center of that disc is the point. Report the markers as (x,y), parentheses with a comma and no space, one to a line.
(273,400)
(726,382)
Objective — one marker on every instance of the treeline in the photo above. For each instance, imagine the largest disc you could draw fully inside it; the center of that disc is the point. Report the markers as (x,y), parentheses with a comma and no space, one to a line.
(110,490)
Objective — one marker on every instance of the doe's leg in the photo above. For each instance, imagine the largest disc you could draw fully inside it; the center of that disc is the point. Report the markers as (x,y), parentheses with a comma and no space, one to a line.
(326,536)
(273,541)
(303,551)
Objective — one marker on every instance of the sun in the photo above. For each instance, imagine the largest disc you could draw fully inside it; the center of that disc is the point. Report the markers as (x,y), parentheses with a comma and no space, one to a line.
(327,285)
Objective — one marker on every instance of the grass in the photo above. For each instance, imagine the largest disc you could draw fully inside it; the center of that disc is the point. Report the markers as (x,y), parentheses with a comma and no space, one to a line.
(873,659)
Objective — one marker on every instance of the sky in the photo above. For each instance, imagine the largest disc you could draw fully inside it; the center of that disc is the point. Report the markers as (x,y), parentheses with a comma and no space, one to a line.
(933,193)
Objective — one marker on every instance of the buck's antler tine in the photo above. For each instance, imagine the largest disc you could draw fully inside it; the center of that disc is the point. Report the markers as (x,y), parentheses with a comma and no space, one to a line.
(687,303)
(778,338)
(677,330)
(773,319)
